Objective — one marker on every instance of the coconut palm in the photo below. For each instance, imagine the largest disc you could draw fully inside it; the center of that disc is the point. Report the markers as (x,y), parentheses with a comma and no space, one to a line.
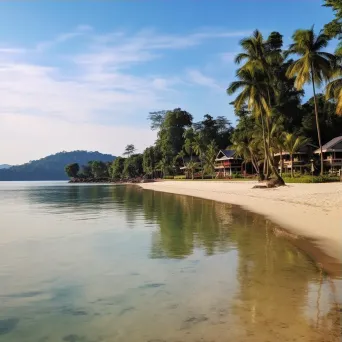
(209,158)
(255,91)
(198,148)
(191,167)
(292,143)
(162,166)
(313,66)
(181,155)
(334,89)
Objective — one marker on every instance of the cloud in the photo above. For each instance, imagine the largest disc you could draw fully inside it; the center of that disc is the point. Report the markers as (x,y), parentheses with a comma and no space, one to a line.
(87,87)
(198,78)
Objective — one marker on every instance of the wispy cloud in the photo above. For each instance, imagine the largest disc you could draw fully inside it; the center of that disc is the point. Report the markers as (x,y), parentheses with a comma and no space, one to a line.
(198,78)
(92,87)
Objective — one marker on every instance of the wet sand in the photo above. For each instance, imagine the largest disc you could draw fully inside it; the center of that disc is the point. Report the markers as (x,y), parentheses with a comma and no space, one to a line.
(312,211)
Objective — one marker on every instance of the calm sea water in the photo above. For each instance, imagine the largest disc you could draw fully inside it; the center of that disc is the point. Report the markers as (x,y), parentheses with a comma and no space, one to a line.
(90,263)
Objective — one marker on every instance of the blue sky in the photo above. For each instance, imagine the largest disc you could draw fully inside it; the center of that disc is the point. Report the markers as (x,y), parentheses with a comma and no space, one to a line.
(85,74)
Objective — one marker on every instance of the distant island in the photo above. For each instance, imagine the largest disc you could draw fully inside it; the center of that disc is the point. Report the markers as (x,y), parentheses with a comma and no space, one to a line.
(51,167)
(4,166)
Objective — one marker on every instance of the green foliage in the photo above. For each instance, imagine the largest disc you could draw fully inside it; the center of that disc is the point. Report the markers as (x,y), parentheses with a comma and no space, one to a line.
(168,177)
(129,150)
(117,167)
(180,177)
(72,170)
(133,166)
(99,169)
(310,179)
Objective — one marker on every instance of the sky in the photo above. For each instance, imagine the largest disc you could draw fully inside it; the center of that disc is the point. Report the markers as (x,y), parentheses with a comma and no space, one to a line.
(85,74)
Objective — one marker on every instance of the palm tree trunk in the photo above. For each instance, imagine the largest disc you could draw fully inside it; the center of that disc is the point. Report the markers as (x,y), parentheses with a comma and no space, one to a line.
(291,158)
(264,141)
(317,121)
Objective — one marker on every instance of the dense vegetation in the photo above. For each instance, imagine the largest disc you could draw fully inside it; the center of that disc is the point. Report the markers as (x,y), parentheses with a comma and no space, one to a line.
(51,167)
(271,114)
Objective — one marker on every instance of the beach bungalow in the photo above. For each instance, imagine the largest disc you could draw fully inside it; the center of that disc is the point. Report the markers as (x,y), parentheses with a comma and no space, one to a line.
(301,159)
(332,154)
(227,163)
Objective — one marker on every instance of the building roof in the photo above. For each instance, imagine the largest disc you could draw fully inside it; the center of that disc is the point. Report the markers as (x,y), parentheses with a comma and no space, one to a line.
(227,154)
(331,145)
(303,150)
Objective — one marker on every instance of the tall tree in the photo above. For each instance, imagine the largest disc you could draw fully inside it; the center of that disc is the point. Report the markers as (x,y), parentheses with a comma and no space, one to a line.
(209,158)
(260,58)
(333,29)
(72,170)
(199,148)
(254,91)
(313,66)
(292,144)
(129,150)
(117,168)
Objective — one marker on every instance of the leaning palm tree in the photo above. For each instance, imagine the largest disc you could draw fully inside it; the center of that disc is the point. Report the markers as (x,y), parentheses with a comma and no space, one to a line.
(292,143)
(314,66)
(255,92)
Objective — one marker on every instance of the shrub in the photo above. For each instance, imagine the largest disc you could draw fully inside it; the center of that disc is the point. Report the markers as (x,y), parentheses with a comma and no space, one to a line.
(169,177)
(180,177)
(310,179)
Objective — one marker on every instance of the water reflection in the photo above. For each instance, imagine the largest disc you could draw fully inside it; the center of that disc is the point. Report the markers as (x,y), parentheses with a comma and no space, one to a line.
(115,263)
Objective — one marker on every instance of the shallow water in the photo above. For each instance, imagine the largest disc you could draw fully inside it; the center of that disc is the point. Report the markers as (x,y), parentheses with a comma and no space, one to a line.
(89,263)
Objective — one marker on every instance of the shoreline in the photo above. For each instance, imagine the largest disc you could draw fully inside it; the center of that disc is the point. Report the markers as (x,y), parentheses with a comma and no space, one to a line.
(311,211)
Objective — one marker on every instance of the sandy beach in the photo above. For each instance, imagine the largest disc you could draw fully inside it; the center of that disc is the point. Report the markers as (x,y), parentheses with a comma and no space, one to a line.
(313,211)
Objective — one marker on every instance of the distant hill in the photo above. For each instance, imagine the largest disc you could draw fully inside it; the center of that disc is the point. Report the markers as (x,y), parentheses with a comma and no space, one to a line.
(4,166)
(51,167)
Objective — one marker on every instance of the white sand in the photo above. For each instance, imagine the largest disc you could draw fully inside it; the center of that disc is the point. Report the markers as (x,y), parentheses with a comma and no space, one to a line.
(310,210)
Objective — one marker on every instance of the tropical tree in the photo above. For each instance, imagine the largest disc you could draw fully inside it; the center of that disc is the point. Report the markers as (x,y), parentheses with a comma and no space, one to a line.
(292,144)
(181,155)
(129,150)
(133,166)
(117,168)
(313,66)
(334,88)
(163,166)
(209,158)
(189,136)
(255,92)
(99,169)
(191,167)
(198,147)
(72,170)
(261,57)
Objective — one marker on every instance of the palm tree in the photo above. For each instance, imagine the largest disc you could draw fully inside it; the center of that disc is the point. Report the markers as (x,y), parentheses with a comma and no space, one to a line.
(162,166)
(189,138)
(209,158)
(255,91)
(181,155)
(198,148)
(292,143)
(334,88)
(314,66)
(191,166)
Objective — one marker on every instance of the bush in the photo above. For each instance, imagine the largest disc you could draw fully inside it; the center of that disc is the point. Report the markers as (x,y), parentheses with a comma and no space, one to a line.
(168,177)
(310,179)
(180,177)
(237,175)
